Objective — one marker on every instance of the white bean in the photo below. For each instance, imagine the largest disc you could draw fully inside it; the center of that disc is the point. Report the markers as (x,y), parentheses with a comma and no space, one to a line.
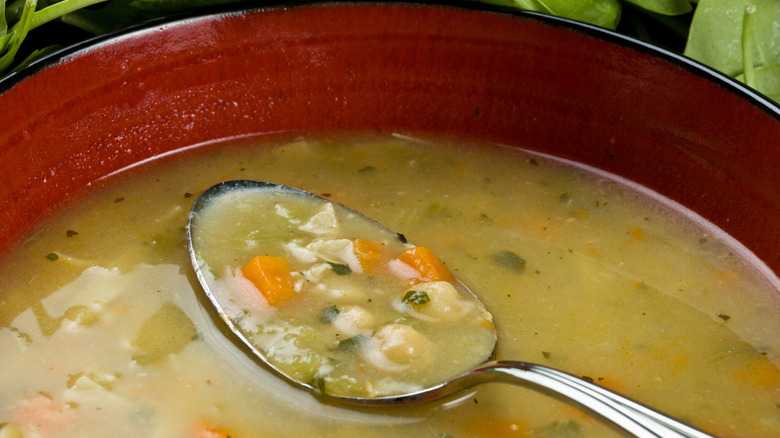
(398,347)
(354,320)
(446,303)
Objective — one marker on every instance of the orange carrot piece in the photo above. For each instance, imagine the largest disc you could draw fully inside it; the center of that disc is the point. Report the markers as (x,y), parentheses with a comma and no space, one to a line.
(43,415)
(368,253)
(761,374)
(271,276)
(422,259)
(203,430)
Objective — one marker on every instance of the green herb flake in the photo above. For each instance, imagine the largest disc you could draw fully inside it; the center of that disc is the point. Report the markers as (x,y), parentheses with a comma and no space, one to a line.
(416,297)
(70,233)
(319,382)
(565,197)
(52,256)
(561,429)
(328,314)
(509,260)
(340,268)
(367,170)
(352,344)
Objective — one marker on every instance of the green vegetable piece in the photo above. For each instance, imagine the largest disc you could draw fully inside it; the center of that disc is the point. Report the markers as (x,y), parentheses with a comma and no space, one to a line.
(665,7)
(716,34)
(337,384)
(52,256)
(340,268)
(319,382)
(767,80)
(328,314)
(561,429)
(604,13)
(416,297)
(166,332)
(352,344)
(509,260)
(10,41)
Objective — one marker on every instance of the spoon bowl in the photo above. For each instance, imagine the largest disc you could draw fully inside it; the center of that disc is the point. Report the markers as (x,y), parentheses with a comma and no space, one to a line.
(629,415)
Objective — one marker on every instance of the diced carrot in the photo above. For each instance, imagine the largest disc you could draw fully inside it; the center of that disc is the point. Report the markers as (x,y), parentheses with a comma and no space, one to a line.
(203,430)
(43,415)
(726,275)
(271,276)
(637,233)
(368,253)
(422,259)
(761,374)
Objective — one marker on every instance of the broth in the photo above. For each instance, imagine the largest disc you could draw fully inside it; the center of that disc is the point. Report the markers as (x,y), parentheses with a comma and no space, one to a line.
(331,298)
(101,331)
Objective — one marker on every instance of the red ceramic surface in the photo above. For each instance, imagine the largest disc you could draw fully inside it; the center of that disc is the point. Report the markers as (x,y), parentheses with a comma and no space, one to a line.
(540,84)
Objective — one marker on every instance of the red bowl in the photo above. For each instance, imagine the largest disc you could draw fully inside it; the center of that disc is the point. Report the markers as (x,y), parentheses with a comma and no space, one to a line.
(545,84)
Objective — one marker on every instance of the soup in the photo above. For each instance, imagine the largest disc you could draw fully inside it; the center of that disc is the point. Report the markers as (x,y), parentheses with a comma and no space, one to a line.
(331,298)
(102,332)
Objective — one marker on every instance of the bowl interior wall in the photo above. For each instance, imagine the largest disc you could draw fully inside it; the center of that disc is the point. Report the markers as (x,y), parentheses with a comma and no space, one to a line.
(517,80)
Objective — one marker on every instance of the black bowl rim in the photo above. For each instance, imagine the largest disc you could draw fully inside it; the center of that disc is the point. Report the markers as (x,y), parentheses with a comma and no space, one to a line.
(754,97)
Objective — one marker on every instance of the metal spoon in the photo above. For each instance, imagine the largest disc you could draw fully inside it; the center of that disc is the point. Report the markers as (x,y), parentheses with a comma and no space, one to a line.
(629,415)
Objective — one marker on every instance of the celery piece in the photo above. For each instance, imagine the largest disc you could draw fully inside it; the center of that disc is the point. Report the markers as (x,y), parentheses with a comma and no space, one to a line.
(166,332)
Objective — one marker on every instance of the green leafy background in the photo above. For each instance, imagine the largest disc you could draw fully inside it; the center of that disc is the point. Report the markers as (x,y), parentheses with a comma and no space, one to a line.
(736,37)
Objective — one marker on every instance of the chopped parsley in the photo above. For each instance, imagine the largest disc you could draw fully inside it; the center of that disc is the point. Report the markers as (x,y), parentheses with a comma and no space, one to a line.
(340,268)
(416,297)
(509,260)
(329,313)
(352,344)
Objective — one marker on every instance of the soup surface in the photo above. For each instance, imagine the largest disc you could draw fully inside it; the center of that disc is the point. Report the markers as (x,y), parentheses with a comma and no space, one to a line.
(102,331)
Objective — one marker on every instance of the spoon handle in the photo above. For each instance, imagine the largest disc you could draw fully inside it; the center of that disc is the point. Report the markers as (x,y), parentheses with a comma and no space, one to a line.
(635,418)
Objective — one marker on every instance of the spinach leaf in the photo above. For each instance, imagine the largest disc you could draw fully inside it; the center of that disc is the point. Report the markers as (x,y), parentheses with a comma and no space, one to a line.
(13,39)
(3,22)
(666,7)
(604,13)
(715,35)
(115,15)
(767,80)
